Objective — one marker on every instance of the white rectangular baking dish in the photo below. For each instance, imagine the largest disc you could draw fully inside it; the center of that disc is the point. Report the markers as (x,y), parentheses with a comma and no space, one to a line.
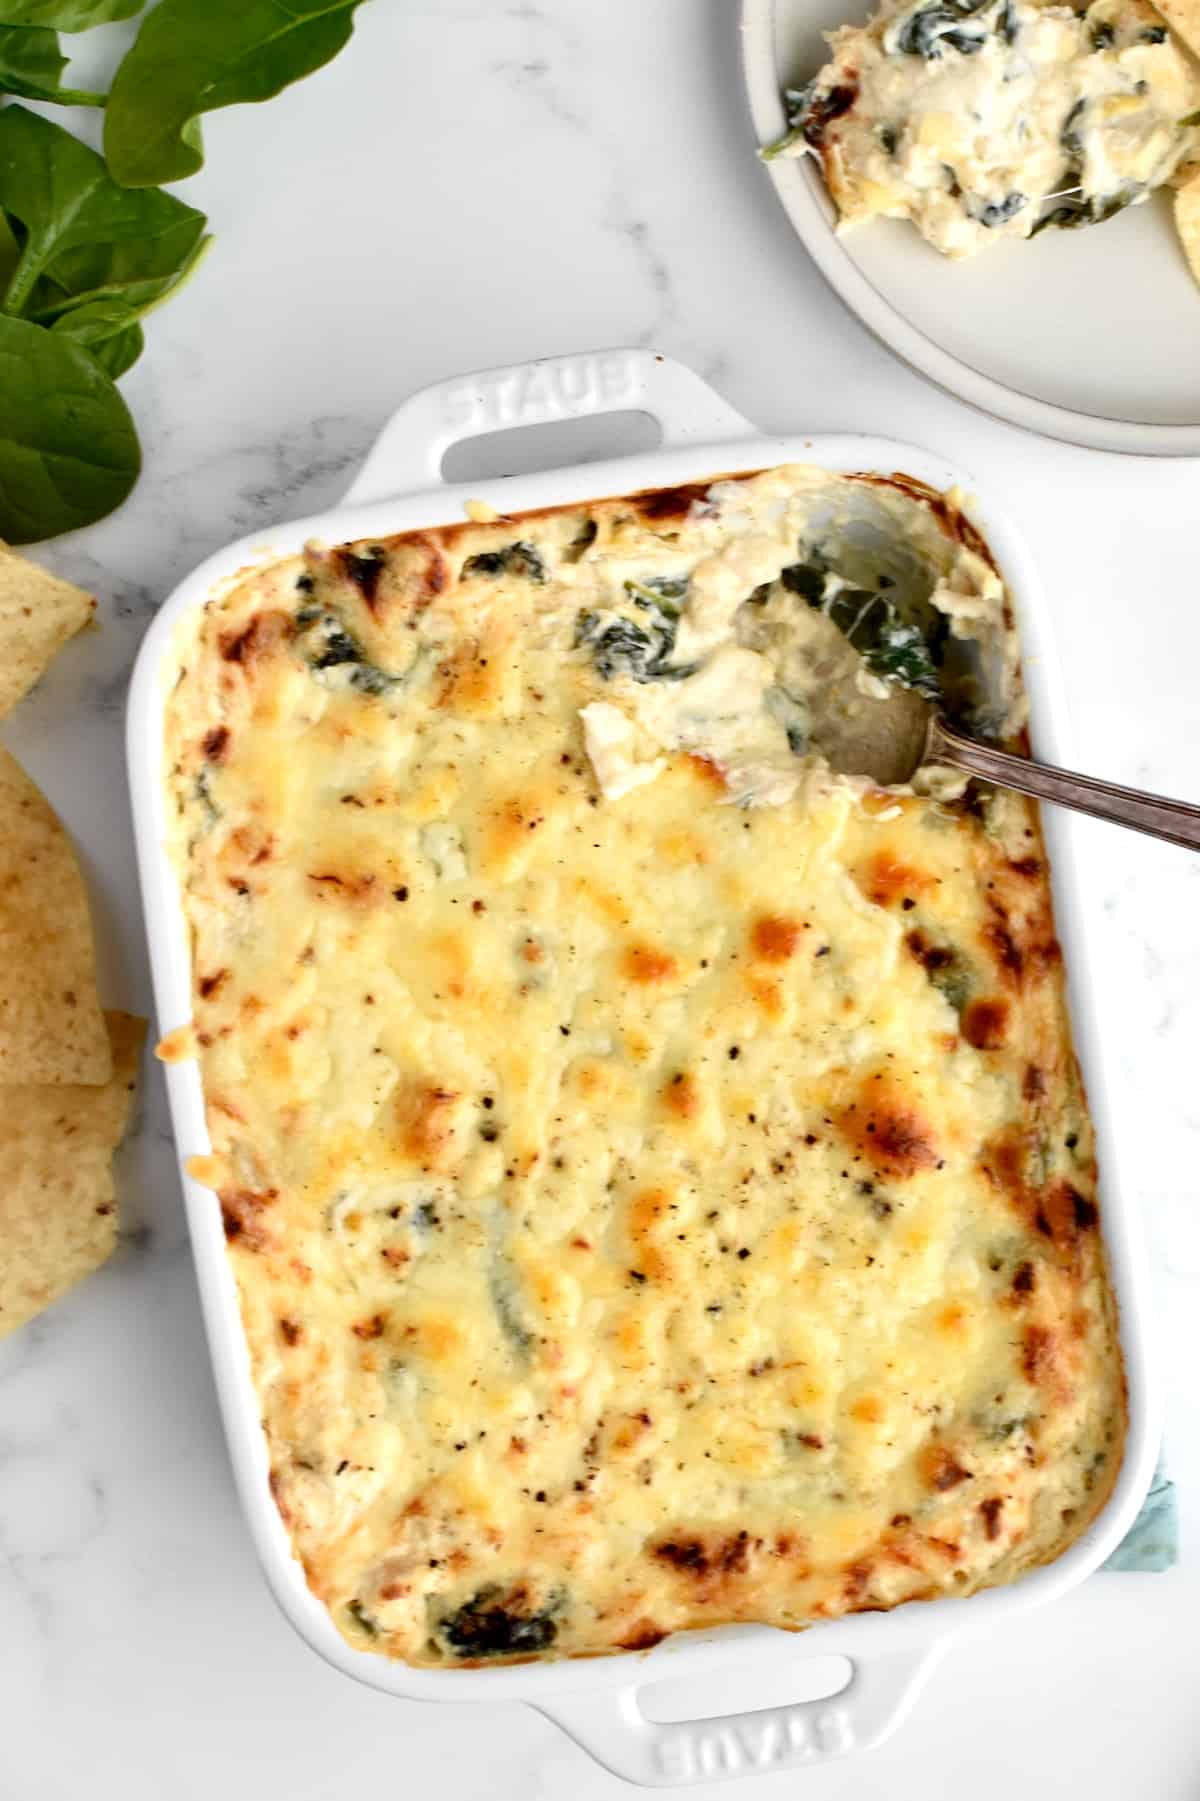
(596,1701)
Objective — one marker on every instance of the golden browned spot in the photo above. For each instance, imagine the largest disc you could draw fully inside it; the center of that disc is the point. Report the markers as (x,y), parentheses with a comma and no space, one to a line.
(472,679)
(940,1468)
(241,1214)
(649,1216)
(643,963)
(1029,867)
(256,641)
(930,956)
(363,569)
(706,770)
(991,1510)
(1024,1279)
(429,1123)
(513,828)
(885,880)
(629,1432)
(658,505)
(275,1484)
(216,743)
(1033,1083)
(436,1336)
(767,995)
(948,1548)
(641,1636)
(701,1557)
(221,1103)
(886,1127)
(357,887)
(423,568)
(985,1024)
(208,985)
(372,1327)
(1058,1211)
(1063,1215)
(177,1047)
(290,1332)
(867,1410)
(1001,940)
(774,938)
(681,1096)
(1004,1161)
(858,1581)
(1039,1353)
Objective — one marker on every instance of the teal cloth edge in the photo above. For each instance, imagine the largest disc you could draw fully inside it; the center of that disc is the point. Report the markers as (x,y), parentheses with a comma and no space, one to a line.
(1152,1542)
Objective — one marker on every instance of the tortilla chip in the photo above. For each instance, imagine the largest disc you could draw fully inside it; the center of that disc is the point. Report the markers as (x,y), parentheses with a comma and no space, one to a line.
(51,1026)
(58,1209)
(1183,16)
(1187,223)
(38,613)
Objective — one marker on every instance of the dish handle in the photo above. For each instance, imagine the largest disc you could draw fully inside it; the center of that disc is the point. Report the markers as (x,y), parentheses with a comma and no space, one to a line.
(407,455)
(611,1726)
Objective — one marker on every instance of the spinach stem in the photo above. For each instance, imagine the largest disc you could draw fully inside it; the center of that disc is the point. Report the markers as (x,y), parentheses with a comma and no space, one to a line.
(21,284)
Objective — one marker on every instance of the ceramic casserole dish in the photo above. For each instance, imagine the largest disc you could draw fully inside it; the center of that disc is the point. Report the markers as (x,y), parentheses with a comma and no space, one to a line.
(596,1700)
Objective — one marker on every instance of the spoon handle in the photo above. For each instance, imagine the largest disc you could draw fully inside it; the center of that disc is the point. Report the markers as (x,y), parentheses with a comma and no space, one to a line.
(1175,820)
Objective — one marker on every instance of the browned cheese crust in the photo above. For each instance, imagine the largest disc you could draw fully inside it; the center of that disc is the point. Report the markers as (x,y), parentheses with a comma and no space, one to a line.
(648,1211)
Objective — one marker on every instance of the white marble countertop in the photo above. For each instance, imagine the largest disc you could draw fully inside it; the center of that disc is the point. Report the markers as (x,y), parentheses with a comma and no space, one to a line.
(472,185)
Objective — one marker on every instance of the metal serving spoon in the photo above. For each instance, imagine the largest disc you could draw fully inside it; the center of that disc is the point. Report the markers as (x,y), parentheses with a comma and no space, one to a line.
(1175,820)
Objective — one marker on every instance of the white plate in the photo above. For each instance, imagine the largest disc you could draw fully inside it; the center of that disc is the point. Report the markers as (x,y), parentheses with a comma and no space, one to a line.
(1090,335)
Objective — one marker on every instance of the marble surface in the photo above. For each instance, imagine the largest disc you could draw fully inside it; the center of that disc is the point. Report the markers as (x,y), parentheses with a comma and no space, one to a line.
(471,185)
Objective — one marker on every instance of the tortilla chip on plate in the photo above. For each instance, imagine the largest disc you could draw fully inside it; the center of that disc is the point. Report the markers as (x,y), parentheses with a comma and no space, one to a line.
(1187,222)
(51,1026)
(38,613)
(58,1210)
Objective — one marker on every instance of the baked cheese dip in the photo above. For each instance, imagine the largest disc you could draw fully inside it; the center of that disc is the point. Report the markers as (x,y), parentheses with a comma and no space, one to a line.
(984,121)
(653,1160)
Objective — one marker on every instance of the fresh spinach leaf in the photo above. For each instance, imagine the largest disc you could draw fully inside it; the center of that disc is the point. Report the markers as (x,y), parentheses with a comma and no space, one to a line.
(109,330)
(68,15)
(68,450)
(139,274)
(31,65)
(10,252)
(64,198)
(195,56)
